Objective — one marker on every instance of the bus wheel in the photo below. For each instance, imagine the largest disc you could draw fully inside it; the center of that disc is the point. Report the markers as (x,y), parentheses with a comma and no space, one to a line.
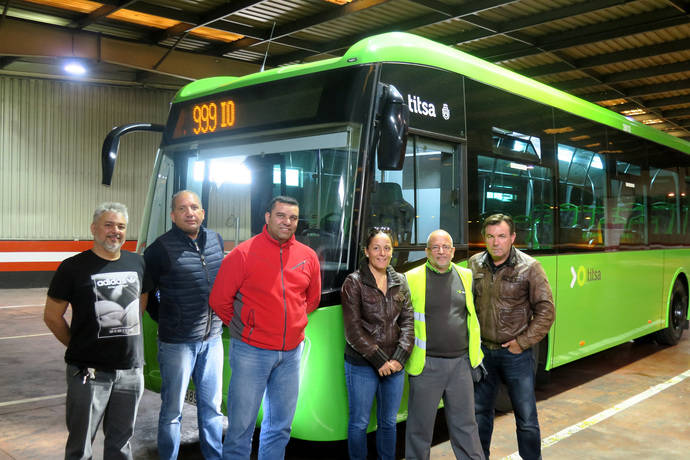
(677,314)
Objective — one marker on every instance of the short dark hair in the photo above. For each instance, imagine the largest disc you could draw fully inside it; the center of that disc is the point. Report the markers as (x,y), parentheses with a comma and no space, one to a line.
(495,219)
(373,231)
(174,197)
(281,199)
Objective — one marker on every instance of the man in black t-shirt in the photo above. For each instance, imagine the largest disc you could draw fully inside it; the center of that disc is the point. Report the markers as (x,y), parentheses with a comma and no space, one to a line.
(106,288)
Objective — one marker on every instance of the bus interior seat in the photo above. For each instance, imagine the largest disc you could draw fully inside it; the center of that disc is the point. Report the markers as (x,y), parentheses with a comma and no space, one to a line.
(663,217)
(569,215)
(389,209)
(614,223)
(542,223)
(524,231)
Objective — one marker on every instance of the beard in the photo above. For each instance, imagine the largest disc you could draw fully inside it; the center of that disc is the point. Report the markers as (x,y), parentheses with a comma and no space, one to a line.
(111,247)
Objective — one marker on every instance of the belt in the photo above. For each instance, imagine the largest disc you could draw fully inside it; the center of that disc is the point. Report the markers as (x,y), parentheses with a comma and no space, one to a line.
(491,345)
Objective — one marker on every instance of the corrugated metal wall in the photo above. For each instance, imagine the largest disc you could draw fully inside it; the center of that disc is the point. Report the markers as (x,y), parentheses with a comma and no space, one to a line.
(51,133)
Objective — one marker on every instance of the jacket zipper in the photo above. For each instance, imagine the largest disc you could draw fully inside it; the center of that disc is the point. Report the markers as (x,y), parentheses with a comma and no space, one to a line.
(209,315)
(282,281)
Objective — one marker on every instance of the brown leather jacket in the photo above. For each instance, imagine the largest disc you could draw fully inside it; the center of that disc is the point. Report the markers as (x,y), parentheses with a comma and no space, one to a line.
(513,303)
(378,327)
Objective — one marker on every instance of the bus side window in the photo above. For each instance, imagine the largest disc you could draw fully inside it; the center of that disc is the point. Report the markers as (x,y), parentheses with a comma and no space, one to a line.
(583,222)
(510,140)
(664,214)
(522,191)
(628,194)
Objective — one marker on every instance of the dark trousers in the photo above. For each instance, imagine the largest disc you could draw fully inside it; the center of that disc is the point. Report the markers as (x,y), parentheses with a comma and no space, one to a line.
(517,372)
(111,397)
(450,379)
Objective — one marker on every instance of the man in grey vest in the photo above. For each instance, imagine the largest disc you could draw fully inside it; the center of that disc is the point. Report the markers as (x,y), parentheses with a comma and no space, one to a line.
(183,264)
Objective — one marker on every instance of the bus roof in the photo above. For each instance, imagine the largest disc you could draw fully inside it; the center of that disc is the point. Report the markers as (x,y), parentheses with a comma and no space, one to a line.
(401,47)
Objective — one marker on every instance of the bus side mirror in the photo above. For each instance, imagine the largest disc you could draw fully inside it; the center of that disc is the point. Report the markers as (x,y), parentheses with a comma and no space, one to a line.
(111,145)
(394,121)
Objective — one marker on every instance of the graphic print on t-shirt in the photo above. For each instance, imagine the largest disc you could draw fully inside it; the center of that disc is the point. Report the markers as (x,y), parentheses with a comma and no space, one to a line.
(117,303)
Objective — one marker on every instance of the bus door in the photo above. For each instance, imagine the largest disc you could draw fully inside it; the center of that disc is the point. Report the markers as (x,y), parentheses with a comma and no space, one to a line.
(426,195)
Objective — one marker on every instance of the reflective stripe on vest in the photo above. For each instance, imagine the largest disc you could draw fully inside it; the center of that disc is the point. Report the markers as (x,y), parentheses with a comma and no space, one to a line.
(416,279)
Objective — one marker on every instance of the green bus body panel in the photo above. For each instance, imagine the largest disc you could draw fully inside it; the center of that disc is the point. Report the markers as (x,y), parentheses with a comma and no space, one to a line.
(610,298)
(604,299)
(322,412)
(407,48)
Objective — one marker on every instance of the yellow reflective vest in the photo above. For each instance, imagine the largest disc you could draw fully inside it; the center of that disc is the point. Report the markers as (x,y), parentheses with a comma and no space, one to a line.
(416,279)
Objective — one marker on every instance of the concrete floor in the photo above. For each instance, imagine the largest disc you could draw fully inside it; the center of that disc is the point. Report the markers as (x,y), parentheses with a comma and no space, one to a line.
(571,408)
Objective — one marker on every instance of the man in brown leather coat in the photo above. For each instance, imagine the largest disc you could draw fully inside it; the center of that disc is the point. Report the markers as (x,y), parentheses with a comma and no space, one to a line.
(515,308)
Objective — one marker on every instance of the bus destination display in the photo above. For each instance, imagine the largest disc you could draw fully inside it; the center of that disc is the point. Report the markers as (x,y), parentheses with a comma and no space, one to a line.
(205,118)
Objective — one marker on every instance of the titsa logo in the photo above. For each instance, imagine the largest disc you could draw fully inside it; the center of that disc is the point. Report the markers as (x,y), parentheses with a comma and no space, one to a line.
(583,275)
(418,106)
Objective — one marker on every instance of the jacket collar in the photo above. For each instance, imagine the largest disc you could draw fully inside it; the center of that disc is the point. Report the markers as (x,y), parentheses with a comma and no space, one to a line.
(511,261)
(436,270)
(200,237)
(272,240)
(368,277)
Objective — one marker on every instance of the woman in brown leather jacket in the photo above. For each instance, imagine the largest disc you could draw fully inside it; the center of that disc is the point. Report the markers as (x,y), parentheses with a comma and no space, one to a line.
(379,330)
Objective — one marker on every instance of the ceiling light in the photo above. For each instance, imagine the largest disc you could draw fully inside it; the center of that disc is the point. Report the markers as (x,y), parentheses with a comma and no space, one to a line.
(75,68)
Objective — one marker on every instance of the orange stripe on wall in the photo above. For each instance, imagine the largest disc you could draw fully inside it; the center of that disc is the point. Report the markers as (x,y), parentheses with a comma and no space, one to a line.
(29,266)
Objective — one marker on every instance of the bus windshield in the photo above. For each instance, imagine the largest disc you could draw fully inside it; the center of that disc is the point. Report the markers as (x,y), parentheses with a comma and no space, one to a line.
(236,183)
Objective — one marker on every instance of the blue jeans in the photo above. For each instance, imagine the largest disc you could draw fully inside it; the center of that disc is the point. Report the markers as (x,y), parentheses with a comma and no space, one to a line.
(258,373)
(111,396)
(517,372)
(203,362)
(363,383)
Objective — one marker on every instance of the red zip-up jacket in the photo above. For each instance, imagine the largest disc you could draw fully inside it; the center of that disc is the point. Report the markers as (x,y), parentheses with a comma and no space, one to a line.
(264,290)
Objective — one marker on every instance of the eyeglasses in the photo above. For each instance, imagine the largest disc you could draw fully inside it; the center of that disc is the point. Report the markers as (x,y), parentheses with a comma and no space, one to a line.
(437,248)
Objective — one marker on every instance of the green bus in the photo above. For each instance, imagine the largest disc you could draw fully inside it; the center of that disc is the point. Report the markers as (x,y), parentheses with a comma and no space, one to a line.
(413,135)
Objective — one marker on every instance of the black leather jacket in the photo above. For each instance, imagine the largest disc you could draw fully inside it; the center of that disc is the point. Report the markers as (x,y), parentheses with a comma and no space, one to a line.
(378,326)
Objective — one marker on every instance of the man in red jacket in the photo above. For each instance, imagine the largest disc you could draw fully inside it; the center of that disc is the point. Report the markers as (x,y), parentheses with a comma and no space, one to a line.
(263,292)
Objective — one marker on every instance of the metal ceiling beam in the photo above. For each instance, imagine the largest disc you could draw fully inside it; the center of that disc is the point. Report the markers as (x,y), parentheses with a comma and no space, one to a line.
(667,69)
(22,38)
(668,101)
(211,20)
(678,113)
(514,25)
(205,20)
(426,20)
(636,91)
(99,13)
(157,10)
(657,49)
(631,25)
(638,74)
(281,32)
